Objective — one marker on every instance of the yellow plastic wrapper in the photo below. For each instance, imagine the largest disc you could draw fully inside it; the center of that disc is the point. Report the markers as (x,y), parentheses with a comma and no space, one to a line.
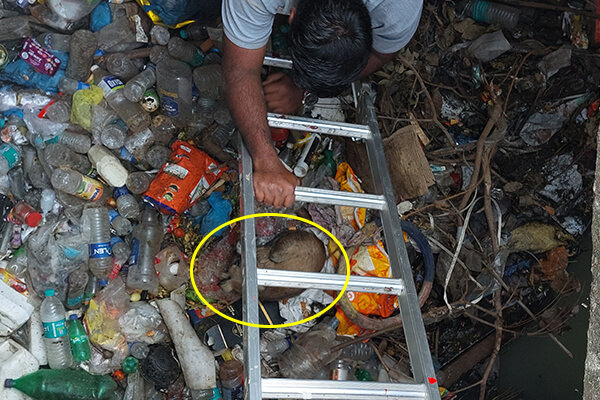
(81,109)
(349,183)
(103,326)
(156,18)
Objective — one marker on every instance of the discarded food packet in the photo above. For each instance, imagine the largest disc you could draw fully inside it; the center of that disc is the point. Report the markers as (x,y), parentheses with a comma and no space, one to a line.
(183,179)
(39,58)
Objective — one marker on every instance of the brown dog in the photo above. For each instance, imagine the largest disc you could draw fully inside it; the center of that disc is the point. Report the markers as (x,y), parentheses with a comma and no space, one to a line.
(292,251)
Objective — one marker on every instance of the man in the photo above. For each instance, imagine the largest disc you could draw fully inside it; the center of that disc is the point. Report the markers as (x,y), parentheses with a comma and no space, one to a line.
(333,43)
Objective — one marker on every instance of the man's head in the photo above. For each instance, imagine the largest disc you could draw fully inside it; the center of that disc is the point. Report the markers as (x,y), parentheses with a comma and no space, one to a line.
(331,43)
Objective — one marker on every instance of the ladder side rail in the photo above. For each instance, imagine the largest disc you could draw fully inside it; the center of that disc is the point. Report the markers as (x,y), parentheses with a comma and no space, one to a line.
(414,329)
(318,126)
(250,311)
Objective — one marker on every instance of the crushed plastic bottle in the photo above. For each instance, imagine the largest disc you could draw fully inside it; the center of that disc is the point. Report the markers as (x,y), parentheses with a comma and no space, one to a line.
(58,349)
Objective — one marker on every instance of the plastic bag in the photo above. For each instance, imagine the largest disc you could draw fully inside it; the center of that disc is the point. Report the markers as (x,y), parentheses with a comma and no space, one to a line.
(218,214)
(41,129)
(102,317)
(142,323)
(489,46)
(81,109)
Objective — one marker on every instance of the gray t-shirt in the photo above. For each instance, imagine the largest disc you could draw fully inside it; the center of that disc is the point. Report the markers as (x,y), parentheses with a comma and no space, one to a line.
(248,23)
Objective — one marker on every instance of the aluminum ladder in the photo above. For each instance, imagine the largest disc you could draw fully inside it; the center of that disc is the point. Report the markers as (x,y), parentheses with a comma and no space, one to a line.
(425,386)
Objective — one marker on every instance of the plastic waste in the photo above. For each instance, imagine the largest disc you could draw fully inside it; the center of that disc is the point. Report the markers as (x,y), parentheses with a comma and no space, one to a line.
(139,350)
(492,13)
(15,361)
(27,214)
(121,251)
(173,270)
(100,16)
(108,165)
(78,142)
(137,144)
(75,183)
(174,86)
(138,182)
(78,280)
(49,384)
(80,344)
(126,203)
(489,46)
(58,349)
(97,224)
(14,309)
(59,111)
(147,237)
(185,51)
(231,375)
(70,86)
(121,225)
(9,157)
(160,35)
(207,79)
(197,361)
(72,10)
(136,87)
(157,156)
(121,66)
(82,47)
(59,155)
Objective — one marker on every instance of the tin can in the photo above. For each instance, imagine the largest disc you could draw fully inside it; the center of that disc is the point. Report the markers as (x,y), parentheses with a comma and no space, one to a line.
(150,100)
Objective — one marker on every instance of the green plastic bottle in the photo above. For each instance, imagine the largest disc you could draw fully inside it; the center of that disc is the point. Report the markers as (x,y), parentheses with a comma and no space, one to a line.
(56,384)
(328,161)
(130,365)
(80,344)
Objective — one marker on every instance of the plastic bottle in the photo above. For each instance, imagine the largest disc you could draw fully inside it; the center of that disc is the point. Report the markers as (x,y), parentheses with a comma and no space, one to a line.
(9,157)
(158,53)
(136,87)
(137,144)
(55,41)
(491,13)
(309,353)
(163,129)
(58,350)
(16,180)
(65,385)
(121,66)
(197,361)
(207,79)
(339,370)
(81,55)
(78,280)
(277,347)
(17,264)
(72,10)
(108,165)
(174,86)
(231,375)
(59,155)
(157,156)
(70,86)
(59,111)
(27,214)
(160,35)
(75,183)
(101,260)
(131,113)
(91,289)
(185,51)
(80,344)
(120,224)
(147,237)
(47,17)
(138,182)
(121,251)
(221,113)
(196,32)
(113,135)
(78,142)
(357,352)
(126,203)
(139,350)
(47,201)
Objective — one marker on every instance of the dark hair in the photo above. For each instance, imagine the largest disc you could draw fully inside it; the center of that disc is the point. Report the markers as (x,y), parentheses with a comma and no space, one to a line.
(331,43)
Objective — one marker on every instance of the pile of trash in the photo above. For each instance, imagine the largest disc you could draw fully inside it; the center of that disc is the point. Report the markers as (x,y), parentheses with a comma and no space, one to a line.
(119,155)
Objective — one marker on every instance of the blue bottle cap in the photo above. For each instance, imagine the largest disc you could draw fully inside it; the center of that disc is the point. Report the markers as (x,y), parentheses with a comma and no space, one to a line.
(73,317)
(103,282)
(49,292)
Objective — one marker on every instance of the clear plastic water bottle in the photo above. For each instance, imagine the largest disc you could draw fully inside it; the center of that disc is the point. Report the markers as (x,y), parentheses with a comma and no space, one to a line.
(136,87)
(357,352)
(147,237)
(98,223)
(75,183)
(16,180)
(55,41)
(72,10)
(223,134)
(138,182)
(121,66)
(59,111)
(47,201)
(78,142)
(160,35)
(231,374)
(77,282)
(185,51)
(126,203)
(9,157)
(491,13)
(131,113)
(207,79)
(139,350)
(113,135)
(158,156)
(158,53)
(121,251)
(81,55)
(59,155)
(137,144)
(174,86)
(58,348)
(195,31)
(70,86)
(91,289)
(221,113)
(80,343)
(277,347)
(120,224)
(17,264)
(163,129)
(108,165)
(47,17)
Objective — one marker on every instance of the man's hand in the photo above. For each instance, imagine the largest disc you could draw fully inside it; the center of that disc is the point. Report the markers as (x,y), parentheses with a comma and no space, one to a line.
(275,185)
(281,94)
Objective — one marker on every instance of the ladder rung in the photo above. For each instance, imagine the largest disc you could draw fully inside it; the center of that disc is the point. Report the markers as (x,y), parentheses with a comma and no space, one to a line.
(336,197)
(319,126)
(316,280)
(347,390)
(277,62)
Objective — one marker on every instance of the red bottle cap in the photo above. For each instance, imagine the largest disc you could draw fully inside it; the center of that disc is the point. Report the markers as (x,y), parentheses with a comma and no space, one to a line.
(33,219)
(279,136)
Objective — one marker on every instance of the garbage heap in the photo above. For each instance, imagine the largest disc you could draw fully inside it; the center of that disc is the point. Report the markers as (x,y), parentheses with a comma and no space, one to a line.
(119,156)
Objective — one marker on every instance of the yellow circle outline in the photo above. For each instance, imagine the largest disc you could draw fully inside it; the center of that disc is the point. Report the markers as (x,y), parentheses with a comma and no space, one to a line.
(289,324)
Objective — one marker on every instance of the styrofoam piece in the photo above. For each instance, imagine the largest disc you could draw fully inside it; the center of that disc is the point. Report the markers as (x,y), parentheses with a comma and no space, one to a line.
(14,309)
(15,362)
(37,346)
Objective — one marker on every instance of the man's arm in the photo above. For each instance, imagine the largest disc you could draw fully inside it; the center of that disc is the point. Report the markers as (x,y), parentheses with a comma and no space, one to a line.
(273,184)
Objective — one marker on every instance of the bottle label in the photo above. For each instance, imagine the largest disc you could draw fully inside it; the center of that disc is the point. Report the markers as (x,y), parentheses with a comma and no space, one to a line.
(115,240)
(120,191)
(90,189)
(56,329)
(112,215)
(100,250)
(126,155)
(72,302)
(135,250)
(216,394)
(110,84)
(169,103)
(236,393)
(82,85)
(53,140)
(198,58)
(11,154)
(39,58)
(99,53)
(79,339)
